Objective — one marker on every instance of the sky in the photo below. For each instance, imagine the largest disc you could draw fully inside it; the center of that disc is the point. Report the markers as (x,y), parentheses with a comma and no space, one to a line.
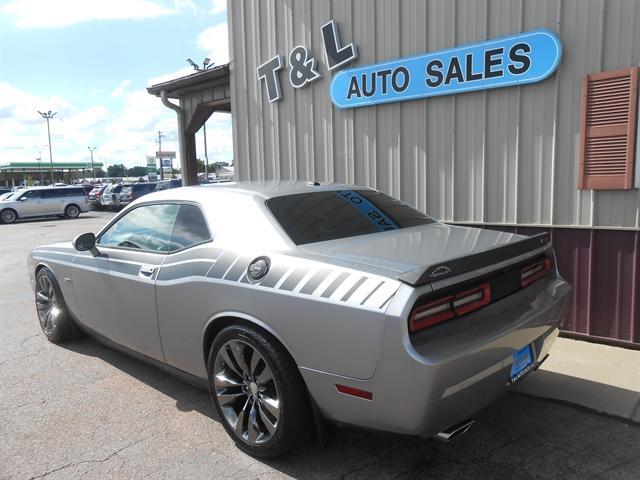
(91,61)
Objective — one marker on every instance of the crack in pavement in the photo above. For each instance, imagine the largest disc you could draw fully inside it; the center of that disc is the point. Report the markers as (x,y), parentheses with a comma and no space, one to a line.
(24,340)
(8,409)
(99,460)
(379,458)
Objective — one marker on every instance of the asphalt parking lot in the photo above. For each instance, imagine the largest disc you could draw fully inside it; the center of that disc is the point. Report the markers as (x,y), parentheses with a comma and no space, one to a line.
(82,410)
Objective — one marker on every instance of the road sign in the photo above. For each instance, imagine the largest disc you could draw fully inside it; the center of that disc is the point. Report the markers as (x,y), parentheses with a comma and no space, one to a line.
(164,155)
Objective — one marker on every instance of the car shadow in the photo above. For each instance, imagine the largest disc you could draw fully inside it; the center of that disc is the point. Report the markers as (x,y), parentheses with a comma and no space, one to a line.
(85,215)
(187,396)
(518,436)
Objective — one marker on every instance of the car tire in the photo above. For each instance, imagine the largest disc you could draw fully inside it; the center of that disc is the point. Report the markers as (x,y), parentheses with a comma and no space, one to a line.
(261,401)
(8,215)
(72,211)
(53,315)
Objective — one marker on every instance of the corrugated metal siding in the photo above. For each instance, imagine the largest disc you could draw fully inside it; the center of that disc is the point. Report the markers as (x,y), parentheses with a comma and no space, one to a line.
(603,266)
(504,156)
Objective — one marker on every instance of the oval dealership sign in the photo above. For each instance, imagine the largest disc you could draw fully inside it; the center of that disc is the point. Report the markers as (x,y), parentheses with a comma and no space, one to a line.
(515,60)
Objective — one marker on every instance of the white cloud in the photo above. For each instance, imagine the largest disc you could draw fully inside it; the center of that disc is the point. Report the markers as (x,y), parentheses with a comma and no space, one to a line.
(218,6)
(215,41)
(119,90)
(61,13)
(165,77)
(126,135)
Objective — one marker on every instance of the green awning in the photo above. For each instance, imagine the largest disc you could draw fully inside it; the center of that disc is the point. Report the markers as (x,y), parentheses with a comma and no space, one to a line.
(44,165)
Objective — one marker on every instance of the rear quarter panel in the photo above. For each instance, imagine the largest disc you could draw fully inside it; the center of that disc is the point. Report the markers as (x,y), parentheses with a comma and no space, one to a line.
(329,319)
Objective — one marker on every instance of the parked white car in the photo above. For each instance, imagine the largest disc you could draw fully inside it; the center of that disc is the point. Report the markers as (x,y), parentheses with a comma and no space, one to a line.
(44,201)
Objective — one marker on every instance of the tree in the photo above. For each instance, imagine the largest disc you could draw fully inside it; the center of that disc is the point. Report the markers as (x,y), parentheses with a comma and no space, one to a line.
(100,173)
(136,172)
(117,170)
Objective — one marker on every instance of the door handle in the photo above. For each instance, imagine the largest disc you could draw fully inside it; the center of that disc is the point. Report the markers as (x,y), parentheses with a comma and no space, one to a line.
(147,270)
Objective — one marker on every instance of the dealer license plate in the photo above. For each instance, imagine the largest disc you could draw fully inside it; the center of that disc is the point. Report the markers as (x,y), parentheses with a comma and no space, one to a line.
(522,364)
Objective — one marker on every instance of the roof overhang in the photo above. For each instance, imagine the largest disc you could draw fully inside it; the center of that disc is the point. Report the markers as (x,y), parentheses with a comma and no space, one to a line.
(196,81)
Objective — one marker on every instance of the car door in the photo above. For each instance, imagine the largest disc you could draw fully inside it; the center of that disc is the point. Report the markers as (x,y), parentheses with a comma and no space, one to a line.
(31,203)
(115,291)
(52,198)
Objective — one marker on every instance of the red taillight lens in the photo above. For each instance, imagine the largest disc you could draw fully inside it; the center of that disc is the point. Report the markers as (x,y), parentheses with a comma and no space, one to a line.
(531,273)
(432,313)
(471,300)
(427,315)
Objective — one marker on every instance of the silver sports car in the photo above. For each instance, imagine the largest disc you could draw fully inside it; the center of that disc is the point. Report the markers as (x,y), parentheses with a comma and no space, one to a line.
(293,302)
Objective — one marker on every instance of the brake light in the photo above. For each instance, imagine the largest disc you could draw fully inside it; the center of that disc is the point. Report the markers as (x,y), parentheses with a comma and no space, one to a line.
(471,300)
(438,311)
(531,273)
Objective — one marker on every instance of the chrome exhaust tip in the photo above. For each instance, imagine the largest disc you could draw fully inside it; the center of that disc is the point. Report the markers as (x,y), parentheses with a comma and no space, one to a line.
(455,431)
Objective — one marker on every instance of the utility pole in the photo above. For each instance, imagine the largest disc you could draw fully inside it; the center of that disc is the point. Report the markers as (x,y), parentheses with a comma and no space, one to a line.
(93,170)
(160,135)
(48,116)
(206,155)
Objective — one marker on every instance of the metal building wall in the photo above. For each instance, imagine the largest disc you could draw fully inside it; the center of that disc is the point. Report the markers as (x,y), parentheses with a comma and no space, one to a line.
(504,157)
(507,156)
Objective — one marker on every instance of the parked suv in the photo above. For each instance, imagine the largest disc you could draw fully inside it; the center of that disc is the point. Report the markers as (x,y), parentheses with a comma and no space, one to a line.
(111,197)
(135,191)
(44,201)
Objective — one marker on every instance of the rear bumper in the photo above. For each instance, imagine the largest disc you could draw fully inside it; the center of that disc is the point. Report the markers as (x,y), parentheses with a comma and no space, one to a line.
(450,372)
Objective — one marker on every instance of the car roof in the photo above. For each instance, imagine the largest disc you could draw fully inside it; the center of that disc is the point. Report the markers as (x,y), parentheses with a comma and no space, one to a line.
(265,189)
(49,187)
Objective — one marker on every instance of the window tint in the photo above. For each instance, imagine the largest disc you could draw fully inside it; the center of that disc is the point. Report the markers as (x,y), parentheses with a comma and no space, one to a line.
(190,228)
(320,216)
(50,193)
(31,194)
(148,228)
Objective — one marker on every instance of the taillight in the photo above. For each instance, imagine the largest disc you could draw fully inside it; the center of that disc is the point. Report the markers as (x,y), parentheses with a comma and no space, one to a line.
(533,272)
(443,309)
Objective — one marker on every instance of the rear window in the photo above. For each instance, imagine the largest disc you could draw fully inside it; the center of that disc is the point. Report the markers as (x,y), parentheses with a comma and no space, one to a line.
(144,187)
(321,216)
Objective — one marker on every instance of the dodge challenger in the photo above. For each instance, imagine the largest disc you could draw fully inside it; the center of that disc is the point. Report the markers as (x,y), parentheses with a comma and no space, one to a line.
(295,301)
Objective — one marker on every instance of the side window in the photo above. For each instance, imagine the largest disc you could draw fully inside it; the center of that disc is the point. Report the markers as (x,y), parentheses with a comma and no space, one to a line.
(49,193)
(33,194)
(146,228)
(190,228)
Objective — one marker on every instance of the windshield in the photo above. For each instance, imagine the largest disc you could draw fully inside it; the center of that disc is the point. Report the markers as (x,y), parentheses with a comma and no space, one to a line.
(321,216)
(13,195)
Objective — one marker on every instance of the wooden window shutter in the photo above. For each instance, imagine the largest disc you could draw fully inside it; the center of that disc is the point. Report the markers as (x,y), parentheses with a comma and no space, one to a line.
(608,129)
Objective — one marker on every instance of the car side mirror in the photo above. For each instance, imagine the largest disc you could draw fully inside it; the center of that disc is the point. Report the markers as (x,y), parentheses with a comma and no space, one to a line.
(86,242)
(23,199)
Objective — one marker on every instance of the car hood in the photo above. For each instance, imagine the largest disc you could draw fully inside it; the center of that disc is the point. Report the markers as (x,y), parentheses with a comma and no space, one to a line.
(399,251)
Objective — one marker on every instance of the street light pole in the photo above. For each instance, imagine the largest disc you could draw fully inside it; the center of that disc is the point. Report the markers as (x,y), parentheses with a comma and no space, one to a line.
(38,158)
(93,170)
(48,116)
(206,65)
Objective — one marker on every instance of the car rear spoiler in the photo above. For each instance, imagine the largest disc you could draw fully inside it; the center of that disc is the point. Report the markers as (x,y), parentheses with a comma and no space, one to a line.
(457,266)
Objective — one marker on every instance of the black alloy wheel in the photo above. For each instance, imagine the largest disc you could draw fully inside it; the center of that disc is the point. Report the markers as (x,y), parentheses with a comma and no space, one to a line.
(257,391)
